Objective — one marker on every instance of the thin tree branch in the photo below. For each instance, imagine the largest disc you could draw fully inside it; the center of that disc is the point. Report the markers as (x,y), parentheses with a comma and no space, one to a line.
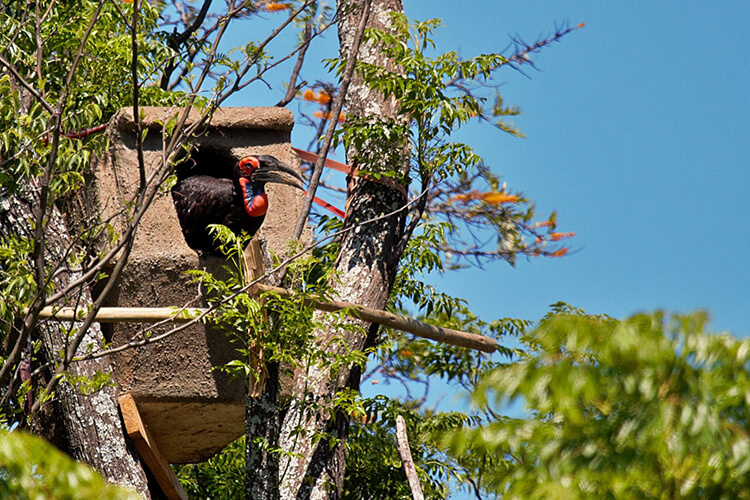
(332,122)
(250,60)
(185,35)
(292,89)
(417,216)
(175,41)
(29,88)
(136,86)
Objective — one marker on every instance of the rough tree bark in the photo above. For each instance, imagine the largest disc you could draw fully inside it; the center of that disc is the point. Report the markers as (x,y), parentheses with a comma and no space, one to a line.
(366,267)
(86,426)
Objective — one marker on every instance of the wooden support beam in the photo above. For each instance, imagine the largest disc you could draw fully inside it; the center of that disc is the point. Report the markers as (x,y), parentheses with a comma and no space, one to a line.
(253,267)
(147,449)
(402,443)
(124,314)
(147,314)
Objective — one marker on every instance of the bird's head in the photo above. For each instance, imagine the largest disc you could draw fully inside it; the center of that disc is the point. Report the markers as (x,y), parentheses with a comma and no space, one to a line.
(261,169)
(253,172)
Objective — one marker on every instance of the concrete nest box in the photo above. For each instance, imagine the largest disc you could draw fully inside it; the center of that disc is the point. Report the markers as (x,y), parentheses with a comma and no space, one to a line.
(191,409)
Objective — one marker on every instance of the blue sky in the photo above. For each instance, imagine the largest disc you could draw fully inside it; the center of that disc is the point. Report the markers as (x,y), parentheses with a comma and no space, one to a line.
(635,132)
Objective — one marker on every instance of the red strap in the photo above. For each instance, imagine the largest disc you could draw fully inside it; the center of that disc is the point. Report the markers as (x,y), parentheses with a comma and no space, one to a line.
(328,206)
(312,158)
(342,167)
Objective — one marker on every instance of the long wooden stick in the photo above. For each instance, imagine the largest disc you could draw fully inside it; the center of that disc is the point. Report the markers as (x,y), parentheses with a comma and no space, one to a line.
(146,314)
(253,268)
(124,314)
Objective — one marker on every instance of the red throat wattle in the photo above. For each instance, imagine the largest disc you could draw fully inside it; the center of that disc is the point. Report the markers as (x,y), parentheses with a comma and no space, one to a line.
(259,204)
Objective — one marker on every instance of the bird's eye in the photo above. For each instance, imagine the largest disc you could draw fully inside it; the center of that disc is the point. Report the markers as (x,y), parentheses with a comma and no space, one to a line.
(248,164)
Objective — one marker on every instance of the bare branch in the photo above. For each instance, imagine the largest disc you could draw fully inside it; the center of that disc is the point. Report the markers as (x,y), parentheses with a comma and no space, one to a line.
(523,50)
(176,40)
(332,121)
(29,88)
(136,87)
(293,88)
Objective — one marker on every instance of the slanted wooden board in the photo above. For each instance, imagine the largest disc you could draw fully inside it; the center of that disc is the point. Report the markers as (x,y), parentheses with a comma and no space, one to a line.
(148,450)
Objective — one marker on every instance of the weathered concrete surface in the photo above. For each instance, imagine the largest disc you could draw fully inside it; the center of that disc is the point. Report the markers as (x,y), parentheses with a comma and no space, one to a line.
(192,409)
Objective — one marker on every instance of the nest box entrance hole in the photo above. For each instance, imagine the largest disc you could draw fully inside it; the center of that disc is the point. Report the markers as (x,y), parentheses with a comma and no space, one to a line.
(204,159)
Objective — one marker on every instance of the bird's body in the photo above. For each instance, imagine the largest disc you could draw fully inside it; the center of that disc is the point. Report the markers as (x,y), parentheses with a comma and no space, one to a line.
(239,203)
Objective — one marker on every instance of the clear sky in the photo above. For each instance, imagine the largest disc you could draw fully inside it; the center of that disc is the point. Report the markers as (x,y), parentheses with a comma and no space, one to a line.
(635,130)
(637,134)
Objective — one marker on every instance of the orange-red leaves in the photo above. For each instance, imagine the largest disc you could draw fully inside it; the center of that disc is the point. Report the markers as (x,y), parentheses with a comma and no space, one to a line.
(327,116)
(560,236)
(275,6)
(491,197)
(322,97)
(500,198)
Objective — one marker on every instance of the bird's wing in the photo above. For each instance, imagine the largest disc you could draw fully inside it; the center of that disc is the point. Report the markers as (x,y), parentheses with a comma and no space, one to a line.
(201,200)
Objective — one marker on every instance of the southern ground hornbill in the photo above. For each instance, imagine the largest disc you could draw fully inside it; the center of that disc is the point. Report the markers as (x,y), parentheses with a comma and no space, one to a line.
(239,202)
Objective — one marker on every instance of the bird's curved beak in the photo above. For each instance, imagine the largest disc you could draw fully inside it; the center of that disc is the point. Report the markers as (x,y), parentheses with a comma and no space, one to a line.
(273,170)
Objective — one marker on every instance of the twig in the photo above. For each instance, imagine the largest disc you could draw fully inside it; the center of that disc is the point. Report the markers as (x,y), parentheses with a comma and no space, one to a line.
(292,89)
(29,88)
(136,117)
(332,122)
(249,61)
(175,41)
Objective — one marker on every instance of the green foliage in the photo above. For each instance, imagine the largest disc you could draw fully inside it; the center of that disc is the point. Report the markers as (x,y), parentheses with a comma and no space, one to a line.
(381,474)
(283,327)
(428,110)
(31,468)
(435,98)
(650,407)
(420,364)
(70,71)
(220,477)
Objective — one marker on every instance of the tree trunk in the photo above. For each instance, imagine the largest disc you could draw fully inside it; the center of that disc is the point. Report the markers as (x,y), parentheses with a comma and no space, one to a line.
(366,268)
(86,426)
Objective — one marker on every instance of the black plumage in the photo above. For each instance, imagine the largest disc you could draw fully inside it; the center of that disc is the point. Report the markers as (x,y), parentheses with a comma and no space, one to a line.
(239,202)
